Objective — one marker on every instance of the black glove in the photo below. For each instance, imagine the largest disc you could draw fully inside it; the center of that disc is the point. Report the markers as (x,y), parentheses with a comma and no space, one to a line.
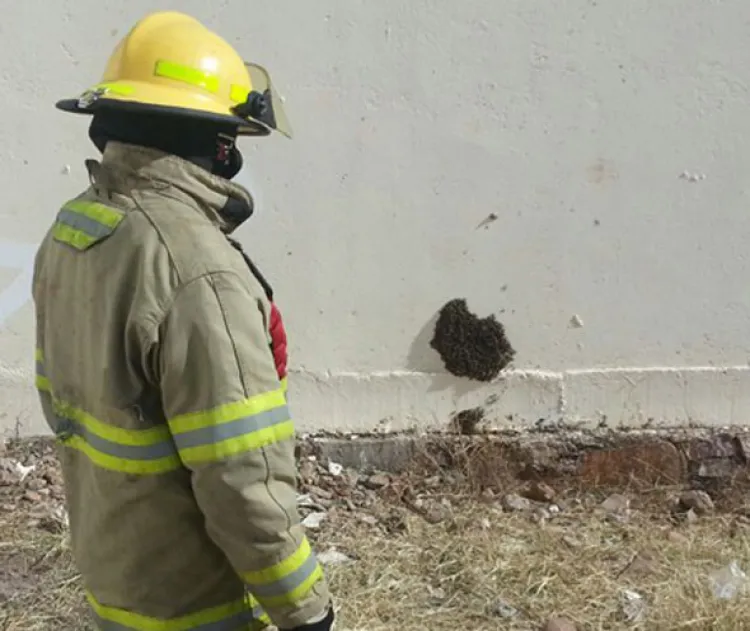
(324,625)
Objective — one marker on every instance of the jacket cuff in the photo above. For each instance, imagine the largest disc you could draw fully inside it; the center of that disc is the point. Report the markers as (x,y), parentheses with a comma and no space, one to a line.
(323,625)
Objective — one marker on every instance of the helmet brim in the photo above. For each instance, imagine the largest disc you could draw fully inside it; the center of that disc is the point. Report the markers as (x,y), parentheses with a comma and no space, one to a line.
(244,127)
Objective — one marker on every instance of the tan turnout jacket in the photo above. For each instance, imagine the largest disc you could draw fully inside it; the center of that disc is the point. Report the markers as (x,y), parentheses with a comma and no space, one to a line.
(155,374)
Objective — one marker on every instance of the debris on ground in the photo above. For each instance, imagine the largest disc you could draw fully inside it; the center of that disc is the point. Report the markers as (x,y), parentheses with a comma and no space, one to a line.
(540,492)
(559,624)
(698,501)
(502,609)
(413,551)
(633,605)
(728,582)
(515,503)
(472,347)
(333,557)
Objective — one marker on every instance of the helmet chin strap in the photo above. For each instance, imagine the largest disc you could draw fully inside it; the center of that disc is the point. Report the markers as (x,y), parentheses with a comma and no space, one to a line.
(228,159)
(208,144)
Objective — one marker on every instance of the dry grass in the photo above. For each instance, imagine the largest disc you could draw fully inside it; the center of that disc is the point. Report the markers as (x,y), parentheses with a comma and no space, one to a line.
(39,587)
(416,575)
(453,575)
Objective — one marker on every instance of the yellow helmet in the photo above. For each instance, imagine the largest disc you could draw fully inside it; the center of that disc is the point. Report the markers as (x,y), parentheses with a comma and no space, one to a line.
(170,62)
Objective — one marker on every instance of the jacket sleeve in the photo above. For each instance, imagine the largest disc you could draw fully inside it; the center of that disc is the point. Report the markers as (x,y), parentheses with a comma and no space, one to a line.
(228,415)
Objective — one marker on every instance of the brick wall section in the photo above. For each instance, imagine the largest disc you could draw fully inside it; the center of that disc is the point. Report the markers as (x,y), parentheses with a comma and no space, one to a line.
(641,459)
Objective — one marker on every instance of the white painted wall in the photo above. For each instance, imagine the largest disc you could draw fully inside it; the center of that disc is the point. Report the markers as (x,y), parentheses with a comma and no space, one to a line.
(572,121)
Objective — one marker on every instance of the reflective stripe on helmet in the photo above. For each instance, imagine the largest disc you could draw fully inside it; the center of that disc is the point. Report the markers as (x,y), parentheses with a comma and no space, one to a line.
(186,74)
(199,79)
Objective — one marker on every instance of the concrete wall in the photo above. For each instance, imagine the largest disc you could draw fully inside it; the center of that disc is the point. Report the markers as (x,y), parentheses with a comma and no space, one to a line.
(609,138)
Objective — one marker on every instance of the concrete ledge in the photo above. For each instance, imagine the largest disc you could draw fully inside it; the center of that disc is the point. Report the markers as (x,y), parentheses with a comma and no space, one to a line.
(521,399)
(637,397)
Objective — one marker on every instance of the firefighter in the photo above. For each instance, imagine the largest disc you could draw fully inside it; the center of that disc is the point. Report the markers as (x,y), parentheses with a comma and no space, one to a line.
(161,359)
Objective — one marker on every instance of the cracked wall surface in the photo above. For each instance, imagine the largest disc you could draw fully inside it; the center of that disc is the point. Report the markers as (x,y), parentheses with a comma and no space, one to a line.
(578,170)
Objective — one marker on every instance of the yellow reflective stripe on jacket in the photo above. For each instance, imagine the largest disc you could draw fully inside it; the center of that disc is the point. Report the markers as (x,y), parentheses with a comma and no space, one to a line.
(41,381)
(261,619)
(139,452)
(80,224)
(287,582)
(232,428)
(136,451)
(230,617)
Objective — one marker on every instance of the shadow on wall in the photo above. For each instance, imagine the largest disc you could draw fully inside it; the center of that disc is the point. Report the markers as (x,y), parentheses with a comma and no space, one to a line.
(459,349)
(425,359)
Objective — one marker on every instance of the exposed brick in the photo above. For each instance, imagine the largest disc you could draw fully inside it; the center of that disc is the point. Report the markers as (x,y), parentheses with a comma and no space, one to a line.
(656,462)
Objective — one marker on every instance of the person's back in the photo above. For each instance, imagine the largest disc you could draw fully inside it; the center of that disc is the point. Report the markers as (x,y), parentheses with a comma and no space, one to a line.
(156,375)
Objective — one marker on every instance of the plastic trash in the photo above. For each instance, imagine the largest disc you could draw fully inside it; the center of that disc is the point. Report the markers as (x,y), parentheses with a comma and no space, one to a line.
(335,469)
(633,605)
(728,582)
(313,520)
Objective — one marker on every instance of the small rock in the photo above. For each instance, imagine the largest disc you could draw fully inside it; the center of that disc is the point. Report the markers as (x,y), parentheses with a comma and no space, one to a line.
(540,492)
(677,537)
(377,481)
(488,495)
(333,557)
(691,516)
(35,484)
(572,542)
(618,518)
(313,520)
(436,514)
(485,523)
(698,501)
(433,482)
(352,478)
(307,470)
(616,504)
(370,520)
(320,493)
(541,515)
(514,502)
(306,501)
(32,496)
(559,624)
(395,522)
(437,595)
(641,565)
(502,609)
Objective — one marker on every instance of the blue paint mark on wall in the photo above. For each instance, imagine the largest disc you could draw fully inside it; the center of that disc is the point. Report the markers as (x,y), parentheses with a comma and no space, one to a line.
(20,258)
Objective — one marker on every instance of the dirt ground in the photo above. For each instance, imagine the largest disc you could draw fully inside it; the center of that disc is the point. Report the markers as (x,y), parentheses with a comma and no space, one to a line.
(415,552)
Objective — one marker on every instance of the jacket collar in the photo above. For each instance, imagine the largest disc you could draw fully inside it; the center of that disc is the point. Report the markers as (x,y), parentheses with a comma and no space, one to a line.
(225,203)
